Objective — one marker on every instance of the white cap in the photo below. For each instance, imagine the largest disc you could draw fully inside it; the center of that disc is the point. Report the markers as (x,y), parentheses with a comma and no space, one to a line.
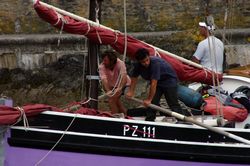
(203,24)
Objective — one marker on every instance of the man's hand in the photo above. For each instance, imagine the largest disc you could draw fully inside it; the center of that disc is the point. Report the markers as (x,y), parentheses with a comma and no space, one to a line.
(146,102)
(115,94)
(130,94)
(109,93)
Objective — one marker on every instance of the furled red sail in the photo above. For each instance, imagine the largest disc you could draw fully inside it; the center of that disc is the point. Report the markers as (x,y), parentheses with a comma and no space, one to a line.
(11,115)
(104,36)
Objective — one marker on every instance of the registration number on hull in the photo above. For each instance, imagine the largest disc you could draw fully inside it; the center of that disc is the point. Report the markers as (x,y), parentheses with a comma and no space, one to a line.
(139,131)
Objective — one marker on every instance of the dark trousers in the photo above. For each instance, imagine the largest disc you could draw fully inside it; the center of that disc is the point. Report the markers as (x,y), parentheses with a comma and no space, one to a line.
(171,97)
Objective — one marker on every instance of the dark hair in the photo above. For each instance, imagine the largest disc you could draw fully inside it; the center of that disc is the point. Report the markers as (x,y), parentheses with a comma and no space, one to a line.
(141,54)
(112,55)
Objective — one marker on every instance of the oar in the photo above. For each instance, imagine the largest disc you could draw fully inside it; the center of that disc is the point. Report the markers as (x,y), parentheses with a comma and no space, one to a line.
(188,119)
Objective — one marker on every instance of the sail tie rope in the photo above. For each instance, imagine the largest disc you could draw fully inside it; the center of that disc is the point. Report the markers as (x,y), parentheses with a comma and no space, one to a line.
(206,72)
(87,32)
(157,53)
(64,21)
(23,117)
(98,36)
(59,18)
(116,36)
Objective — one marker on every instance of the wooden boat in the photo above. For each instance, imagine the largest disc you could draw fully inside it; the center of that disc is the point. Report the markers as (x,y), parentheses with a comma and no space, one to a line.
(104,135)
(186,141)
(165,139)
(229,83)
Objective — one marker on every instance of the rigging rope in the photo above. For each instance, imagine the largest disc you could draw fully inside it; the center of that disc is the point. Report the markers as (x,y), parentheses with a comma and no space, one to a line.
(58,141)
(118,82)
(213,60)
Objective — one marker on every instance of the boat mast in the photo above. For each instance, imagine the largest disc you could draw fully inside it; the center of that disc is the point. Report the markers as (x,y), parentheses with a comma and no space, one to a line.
(93,51)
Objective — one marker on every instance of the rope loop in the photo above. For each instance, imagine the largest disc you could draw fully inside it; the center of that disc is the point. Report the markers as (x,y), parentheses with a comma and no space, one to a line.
(87,30)
(23,117)
(116,36)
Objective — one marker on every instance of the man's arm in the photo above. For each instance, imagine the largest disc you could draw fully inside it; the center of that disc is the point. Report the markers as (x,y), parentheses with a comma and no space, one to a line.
(123,81)
(194,59)
(123,73)
(118,90)
(199,53)
(132,87)
(151,94)
(104,78)
(105,85)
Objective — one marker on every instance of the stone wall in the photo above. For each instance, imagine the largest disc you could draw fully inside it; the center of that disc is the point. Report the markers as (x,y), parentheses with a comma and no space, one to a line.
(19,17)
(142,15)
(26,41)
(35,51)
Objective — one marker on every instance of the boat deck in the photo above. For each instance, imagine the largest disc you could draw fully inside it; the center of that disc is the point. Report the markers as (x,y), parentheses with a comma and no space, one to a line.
(240,71)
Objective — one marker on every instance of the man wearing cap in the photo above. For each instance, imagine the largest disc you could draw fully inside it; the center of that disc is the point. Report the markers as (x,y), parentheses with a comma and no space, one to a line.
(209,52)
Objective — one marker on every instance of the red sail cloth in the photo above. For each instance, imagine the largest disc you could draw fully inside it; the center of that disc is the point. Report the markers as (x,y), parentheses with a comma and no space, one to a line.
(232,114)
(116,40)
(10,115)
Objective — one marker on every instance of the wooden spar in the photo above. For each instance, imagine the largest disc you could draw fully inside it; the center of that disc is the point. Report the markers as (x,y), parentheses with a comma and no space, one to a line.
(92,23)
(187,119)
(93,51)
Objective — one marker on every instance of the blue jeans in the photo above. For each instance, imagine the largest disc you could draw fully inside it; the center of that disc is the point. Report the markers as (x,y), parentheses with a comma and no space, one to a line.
(171,97)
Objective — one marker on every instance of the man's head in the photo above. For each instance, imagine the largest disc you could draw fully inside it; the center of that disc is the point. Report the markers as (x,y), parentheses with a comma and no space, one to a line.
(206,29)
(142,56)
(203,29)
(109,59)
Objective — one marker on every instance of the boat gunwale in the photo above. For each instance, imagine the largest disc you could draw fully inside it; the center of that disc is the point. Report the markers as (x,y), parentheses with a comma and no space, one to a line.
(221,144)
(166,124)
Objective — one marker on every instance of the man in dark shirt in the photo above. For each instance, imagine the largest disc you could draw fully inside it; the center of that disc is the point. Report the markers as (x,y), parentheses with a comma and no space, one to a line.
(163,80)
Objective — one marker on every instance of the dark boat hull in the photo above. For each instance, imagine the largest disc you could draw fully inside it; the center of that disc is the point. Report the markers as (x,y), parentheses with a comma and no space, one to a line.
(129,138)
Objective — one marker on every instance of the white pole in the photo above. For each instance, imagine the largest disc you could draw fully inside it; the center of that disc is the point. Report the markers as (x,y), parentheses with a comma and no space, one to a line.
(187,119)
(78,18)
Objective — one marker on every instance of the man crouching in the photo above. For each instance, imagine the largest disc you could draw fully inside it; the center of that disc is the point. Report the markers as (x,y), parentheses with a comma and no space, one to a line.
(114,79)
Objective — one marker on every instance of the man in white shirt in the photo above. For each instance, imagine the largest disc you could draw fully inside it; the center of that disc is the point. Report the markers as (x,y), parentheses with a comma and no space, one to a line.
(209,52)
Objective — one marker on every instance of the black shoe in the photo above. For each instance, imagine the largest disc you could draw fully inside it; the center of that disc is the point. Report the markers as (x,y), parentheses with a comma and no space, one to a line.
(151,119)
(150,115)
